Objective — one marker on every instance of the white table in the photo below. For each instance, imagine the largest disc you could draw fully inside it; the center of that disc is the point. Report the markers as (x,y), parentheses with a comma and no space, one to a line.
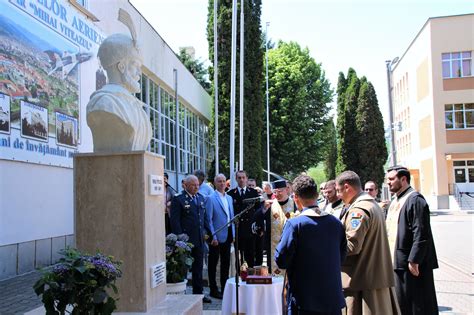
(258,299)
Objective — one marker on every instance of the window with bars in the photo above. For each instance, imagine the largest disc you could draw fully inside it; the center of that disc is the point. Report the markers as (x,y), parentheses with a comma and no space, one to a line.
(459,116)
(457,64)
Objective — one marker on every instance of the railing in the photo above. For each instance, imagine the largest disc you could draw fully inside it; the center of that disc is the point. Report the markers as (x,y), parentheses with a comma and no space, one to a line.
(454,190)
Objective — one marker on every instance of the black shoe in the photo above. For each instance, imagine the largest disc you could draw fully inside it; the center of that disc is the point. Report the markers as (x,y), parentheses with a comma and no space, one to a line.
(216,294)
(206,300)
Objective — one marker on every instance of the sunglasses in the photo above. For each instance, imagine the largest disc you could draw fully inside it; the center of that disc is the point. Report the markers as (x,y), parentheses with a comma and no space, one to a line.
(369,189)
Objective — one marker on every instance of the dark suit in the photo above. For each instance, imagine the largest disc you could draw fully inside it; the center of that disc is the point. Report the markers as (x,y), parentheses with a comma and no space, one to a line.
(246,239)
(414,243)
(189,217)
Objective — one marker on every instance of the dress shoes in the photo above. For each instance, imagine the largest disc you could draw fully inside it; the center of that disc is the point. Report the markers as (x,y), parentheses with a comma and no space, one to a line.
(216,295)
(205,299)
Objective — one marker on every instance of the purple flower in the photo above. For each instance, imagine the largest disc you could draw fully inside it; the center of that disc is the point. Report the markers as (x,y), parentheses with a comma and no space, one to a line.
(60,269)
(183,237)
(171,238)
(169,250)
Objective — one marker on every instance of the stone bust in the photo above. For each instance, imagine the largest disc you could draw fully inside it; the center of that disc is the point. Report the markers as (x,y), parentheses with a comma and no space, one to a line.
(115,116)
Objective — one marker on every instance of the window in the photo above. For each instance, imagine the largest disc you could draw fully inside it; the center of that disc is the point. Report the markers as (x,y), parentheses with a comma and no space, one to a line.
(457,64)
(194,146)
(459,116)
(463,171)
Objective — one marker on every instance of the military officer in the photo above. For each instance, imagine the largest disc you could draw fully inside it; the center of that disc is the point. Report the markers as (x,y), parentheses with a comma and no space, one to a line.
(188,216)
(367,276)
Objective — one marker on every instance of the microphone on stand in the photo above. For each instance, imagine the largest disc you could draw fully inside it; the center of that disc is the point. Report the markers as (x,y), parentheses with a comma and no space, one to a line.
(254,199)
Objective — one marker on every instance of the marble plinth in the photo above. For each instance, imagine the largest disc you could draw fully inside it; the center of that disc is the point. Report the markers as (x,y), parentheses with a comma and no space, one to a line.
(115,214)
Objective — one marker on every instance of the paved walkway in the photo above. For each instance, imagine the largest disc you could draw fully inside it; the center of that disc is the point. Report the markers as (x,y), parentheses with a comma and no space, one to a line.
(453,233)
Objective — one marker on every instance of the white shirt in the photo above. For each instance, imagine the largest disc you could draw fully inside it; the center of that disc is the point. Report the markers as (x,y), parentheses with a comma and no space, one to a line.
(225,203)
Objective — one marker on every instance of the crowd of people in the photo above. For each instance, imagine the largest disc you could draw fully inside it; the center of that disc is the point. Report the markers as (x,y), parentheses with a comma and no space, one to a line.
(341,250)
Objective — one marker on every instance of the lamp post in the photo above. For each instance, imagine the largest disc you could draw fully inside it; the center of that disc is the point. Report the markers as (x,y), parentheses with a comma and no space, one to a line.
(389,64)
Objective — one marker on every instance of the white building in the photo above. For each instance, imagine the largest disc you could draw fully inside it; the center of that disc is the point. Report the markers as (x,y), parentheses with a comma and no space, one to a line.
(36,186)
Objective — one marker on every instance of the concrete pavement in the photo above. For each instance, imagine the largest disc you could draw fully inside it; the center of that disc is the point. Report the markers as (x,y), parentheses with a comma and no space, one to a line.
(453,233)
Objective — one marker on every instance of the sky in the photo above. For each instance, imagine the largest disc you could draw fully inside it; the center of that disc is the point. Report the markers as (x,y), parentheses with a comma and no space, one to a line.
(339,34)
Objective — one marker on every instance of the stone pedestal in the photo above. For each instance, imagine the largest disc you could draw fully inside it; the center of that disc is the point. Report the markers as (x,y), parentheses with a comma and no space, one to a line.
(116,214)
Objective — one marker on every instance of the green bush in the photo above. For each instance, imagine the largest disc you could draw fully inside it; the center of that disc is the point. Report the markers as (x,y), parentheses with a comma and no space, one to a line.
(79,281)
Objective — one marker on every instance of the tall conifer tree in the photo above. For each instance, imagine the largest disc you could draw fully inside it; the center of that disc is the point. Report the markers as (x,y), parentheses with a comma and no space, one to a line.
(253,80)
(369,123)
(348,136)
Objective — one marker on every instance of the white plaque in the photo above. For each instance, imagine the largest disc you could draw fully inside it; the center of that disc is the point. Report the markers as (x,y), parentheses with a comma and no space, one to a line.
(156,185)
(158,274)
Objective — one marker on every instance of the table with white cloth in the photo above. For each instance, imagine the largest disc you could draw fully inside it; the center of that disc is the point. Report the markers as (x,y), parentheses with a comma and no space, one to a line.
(254,299)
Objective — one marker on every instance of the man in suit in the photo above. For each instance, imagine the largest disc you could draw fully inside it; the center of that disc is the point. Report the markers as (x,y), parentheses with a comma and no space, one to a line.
(219,211)
(411,242)
(246,239)
(188,216)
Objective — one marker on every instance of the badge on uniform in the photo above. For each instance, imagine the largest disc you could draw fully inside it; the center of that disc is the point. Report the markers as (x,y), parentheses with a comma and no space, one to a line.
(355,223)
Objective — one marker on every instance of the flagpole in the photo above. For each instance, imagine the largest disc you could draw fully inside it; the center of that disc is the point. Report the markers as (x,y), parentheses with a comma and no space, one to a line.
(232,94)
(216,96)
(241,113)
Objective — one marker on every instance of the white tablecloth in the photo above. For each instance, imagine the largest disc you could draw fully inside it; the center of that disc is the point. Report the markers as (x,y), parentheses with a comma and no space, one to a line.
(254,299)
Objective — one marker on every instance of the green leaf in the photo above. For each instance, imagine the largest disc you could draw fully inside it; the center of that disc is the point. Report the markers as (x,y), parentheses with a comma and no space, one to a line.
(99,296)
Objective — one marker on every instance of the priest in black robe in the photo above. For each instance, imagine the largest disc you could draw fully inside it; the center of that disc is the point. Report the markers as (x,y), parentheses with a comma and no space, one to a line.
(411,240)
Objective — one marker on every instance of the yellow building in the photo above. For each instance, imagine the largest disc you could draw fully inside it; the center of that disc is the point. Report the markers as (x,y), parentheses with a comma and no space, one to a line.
(433,108)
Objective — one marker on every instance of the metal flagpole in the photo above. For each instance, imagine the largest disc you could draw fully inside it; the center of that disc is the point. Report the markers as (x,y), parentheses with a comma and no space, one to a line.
(216,96)
(232,93)
(266,89)
(241,113)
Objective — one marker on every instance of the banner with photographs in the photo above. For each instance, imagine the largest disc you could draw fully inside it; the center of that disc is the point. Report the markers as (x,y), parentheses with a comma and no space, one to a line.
(44,46)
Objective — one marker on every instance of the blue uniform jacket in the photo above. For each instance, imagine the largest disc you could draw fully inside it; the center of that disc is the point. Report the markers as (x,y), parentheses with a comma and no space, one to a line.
(312,249)
(189,218)
(217,216)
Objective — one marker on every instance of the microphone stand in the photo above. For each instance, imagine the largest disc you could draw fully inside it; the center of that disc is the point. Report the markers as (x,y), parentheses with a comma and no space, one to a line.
(236,220)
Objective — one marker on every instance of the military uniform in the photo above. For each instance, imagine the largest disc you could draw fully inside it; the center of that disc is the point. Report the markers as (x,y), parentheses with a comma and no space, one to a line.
(188,216)
(247,239)
(367,275)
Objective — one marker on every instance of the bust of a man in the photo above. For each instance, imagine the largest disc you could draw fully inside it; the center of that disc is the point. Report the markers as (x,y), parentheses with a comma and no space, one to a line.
(115,116)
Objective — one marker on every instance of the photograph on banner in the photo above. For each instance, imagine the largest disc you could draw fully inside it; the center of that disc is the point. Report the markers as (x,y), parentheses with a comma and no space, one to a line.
(34,121)
(4,113)
(38,66)
(66,130)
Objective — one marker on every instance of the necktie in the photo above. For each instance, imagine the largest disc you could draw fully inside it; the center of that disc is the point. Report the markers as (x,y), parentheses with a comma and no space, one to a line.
(195,200)
(242,192)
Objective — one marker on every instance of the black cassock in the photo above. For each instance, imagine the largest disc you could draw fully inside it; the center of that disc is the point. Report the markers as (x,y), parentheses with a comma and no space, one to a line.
(416,295)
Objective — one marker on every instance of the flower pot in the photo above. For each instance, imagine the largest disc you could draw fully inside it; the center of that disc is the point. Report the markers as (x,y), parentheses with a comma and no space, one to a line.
(176,288)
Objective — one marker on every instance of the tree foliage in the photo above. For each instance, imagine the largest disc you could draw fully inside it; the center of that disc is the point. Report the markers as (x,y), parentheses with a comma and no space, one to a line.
(196,67)
(299,97)
(360,133)
(369,123)
(253,81)
(330,149)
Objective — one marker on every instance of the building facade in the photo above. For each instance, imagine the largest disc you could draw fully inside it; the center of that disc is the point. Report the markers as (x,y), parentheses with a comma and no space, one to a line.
(48,70)
(433,108)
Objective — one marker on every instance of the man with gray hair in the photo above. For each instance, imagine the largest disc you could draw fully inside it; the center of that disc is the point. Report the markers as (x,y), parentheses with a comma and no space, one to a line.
(188,216)
(220,211)
(115,116)
(367,276)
